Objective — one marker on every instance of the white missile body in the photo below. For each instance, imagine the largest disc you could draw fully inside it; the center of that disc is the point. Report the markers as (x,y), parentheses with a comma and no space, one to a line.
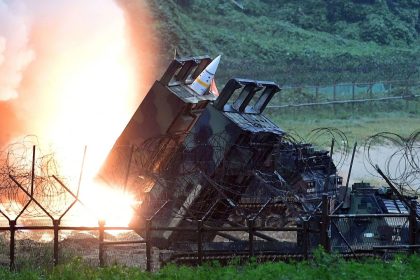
(203,81)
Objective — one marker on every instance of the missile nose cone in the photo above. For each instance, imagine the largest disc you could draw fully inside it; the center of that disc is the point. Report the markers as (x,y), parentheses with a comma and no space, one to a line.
(203,81)
(212,67)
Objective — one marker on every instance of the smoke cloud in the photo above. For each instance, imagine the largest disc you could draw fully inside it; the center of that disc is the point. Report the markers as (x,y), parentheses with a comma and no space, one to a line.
(15,55)
(67,65)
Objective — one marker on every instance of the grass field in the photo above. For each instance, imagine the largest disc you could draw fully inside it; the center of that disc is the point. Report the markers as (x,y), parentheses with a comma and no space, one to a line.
(271,40)
(357,127)
(322,267)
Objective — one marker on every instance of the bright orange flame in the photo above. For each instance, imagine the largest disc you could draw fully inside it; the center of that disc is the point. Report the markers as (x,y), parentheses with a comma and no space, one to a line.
(82,89)
(103,203)
(95,89)
(96,93)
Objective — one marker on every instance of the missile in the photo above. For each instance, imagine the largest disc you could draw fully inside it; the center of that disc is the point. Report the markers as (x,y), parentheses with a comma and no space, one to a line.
(203,81)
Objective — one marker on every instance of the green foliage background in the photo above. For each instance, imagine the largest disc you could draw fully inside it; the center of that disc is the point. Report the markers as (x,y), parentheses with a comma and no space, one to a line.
(297,42)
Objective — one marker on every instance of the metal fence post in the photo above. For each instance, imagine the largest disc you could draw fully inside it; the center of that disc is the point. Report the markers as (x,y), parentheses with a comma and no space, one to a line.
(279,95)
(148,245)
(413,225)
(199,242)
(324,223)
(101,242)
(251,237)
(12,224)
(56,223)
(369,90)
(353,91)
(305,235)
(334,98)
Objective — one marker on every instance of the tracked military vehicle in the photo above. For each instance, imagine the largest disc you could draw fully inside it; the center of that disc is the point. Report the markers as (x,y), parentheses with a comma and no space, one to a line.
(369,228)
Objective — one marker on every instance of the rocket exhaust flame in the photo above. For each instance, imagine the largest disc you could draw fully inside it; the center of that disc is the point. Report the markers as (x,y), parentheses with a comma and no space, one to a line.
(32,190)
(70,73)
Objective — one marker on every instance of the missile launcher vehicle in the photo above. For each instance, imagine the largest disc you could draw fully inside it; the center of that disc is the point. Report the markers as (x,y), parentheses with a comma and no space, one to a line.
(219,159)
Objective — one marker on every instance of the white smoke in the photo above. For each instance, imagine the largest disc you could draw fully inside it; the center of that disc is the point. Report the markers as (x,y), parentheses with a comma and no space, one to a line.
(15,55)
(50,50)
(42,45)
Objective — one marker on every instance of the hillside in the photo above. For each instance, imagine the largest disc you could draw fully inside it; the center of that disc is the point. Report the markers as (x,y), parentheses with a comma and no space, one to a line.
(297,42)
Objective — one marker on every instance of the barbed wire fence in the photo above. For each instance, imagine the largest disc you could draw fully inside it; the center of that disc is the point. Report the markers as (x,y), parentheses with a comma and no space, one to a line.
(388,95)
(35,195)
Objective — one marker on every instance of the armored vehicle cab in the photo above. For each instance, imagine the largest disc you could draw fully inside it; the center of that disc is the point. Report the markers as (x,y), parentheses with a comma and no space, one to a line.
(372,230)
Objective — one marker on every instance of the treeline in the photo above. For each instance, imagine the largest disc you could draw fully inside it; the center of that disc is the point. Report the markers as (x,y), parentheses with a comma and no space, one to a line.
(297,42)
(386,22)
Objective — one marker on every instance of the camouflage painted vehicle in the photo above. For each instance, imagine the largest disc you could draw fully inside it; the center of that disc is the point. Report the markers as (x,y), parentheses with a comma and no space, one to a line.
(371,230)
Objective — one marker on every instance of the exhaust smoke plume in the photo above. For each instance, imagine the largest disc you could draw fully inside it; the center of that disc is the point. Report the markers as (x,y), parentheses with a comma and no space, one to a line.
(14,52)
(72,73)
(15,55)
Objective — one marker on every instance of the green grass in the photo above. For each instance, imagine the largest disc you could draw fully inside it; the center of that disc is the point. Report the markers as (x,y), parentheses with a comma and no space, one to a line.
(323,267)
(294,43)
(357,126)
(261,42)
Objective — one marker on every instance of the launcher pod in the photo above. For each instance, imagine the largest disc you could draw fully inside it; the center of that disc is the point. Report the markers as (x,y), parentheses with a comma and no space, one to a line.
(169,108)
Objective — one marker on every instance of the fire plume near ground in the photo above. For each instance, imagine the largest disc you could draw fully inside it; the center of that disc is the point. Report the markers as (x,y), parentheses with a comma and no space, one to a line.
(72,73)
